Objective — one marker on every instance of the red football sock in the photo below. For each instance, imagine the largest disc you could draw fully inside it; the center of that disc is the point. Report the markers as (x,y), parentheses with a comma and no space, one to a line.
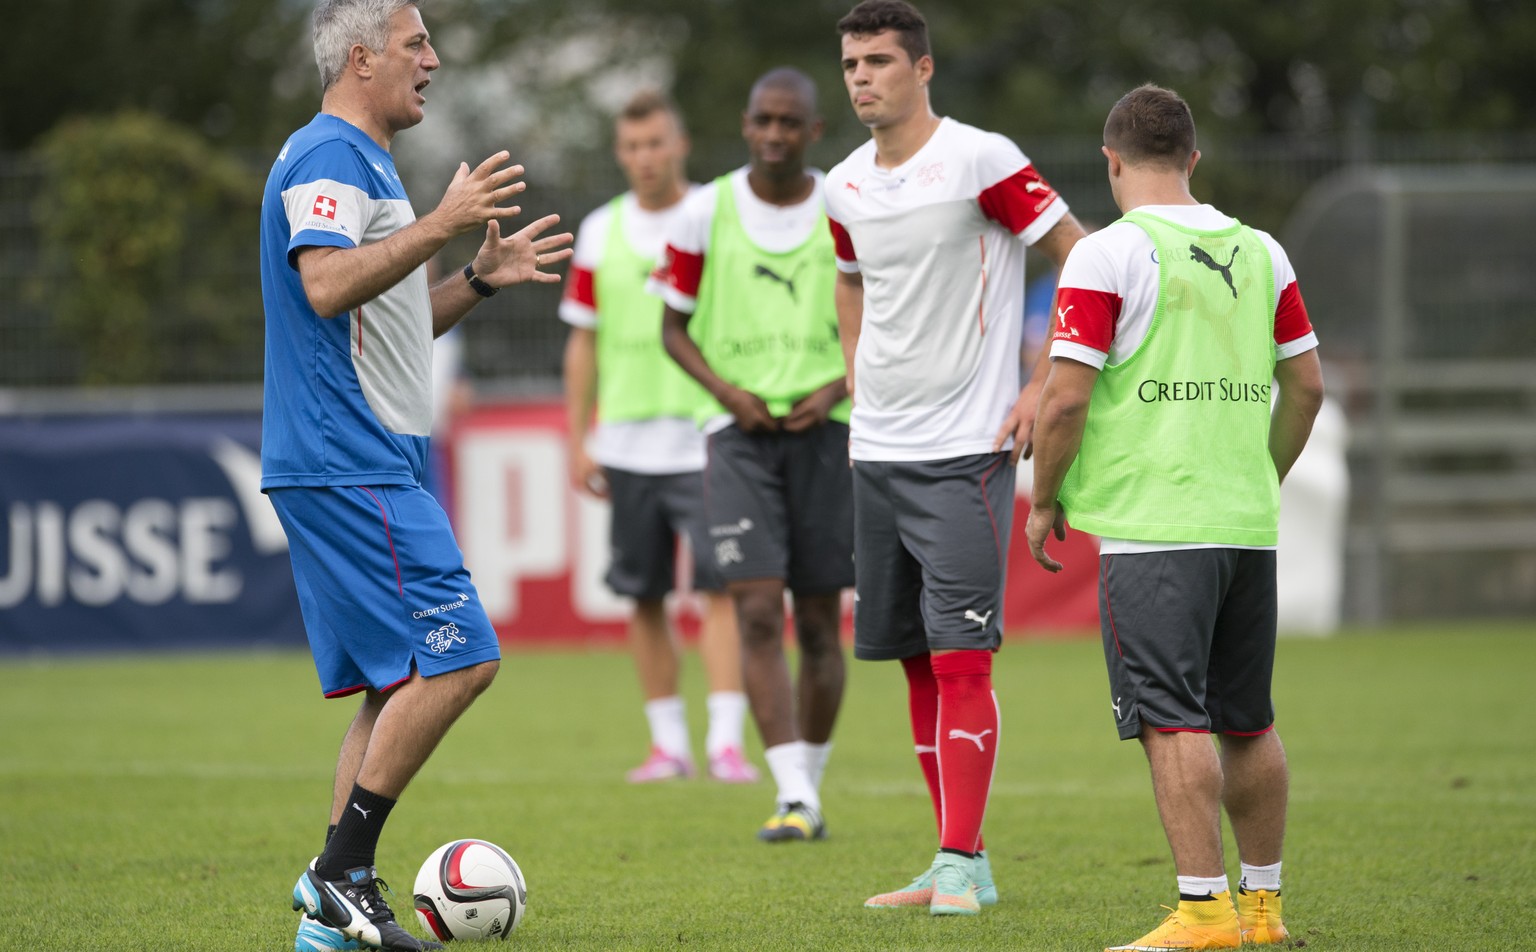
(923,706)
(967,741)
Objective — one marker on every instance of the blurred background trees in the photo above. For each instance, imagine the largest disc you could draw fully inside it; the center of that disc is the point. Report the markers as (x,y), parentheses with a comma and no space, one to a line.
(133,143)
(240,72)
(136,219)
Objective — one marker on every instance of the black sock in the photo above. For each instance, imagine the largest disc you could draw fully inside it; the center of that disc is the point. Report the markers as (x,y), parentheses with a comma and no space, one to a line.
(1186,897)
(945,849)
(357,834)
(330,831)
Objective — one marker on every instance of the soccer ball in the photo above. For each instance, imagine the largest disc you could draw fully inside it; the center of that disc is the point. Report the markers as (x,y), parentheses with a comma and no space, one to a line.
(470,889)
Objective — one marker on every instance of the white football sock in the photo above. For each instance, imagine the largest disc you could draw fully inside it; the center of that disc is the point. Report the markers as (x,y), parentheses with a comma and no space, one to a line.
(1261,877)
(727,714)
(669,725)
(816,760)
(1202,885)
(787,764)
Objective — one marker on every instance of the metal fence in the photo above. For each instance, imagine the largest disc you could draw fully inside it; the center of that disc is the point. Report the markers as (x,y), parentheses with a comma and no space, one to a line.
(514,341)
(1421,283)
(1418,274)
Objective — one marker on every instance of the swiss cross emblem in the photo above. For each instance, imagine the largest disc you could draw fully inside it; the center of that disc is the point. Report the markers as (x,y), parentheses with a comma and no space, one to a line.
(325,207)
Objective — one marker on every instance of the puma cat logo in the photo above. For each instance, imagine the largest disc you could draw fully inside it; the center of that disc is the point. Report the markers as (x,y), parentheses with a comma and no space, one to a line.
(970,615)
(763,271)
(957,734)
(1197,253)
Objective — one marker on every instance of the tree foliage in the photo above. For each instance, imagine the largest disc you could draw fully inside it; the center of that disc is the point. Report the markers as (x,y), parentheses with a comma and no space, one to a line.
(148,219)
(237,71)
(241,73)
(134,214)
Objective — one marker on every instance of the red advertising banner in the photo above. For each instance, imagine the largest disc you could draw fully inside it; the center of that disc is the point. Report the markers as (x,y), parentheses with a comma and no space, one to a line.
(538,550)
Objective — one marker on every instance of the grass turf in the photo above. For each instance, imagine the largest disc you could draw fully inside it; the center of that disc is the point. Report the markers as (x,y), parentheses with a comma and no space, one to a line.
(168,803)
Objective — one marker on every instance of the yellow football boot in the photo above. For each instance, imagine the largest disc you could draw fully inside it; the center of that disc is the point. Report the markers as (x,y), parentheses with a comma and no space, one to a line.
(1258,912)
(1199,924)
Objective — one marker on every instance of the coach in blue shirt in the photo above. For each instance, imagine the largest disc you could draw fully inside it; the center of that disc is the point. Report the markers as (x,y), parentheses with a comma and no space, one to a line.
(388,606)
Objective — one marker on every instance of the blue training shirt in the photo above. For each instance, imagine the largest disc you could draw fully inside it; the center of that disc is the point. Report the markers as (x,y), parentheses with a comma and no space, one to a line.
(348,398)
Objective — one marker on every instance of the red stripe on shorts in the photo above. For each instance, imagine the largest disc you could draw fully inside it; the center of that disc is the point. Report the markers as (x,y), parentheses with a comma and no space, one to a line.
(399,583)
(1109,609)
(997,539)
(1250,733)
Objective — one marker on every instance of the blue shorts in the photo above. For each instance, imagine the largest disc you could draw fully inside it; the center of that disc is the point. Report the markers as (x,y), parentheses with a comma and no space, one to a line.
(382,586)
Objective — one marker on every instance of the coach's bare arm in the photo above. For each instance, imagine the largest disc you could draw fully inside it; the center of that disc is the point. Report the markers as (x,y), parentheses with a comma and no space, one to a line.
(338,280)
(1301,396)
(849,298)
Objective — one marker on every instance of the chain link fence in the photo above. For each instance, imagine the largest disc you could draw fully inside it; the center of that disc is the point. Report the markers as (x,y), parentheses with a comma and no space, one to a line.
(1414,253)
(514,341)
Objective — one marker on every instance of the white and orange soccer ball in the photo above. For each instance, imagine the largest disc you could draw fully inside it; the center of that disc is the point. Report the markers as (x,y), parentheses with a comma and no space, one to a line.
(470,889)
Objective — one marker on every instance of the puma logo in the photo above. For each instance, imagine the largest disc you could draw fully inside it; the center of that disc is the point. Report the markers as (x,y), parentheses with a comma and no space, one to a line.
(1197,253)
(1116,706)
(361,810)
(970,615)
(853,188)
(763,271)
(957,734)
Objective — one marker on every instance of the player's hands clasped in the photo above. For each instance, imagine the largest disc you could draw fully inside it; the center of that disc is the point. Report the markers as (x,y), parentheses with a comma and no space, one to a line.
(814,408)
(750,411)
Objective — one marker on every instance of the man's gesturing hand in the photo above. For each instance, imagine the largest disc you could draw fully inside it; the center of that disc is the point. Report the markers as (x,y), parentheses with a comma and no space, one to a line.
(520,256)
(474,197)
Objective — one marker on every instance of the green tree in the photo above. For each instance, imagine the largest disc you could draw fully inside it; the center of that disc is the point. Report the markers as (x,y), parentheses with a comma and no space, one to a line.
(238,71)
(134,215)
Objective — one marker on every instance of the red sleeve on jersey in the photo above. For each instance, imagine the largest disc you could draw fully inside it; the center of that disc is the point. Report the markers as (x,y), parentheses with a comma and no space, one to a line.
(1291,319)
(842,242)
(1086,317)
(681,271)
(1017,200)
(579,288)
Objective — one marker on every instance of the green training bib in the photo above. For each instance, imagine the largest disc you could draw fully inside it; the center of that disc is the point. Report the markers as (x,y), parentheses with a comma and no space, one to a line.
(636,378)
(766,321)
(1176,445)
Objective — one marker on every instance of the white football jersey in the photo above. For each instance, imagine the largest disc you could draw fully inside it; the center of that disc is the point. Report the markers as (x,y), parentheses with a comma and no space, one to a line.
(940,242)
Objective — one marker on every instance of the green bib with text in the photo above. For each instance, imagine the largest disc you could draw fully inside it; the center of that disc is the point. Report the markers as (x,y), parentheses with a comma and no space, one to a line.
(1176,445)
(766,321)
(636,378)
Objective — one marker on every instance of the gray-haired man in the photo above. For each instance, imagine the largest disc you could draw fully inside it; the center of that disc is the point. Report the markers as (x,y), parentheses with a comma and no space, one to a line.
(347,411)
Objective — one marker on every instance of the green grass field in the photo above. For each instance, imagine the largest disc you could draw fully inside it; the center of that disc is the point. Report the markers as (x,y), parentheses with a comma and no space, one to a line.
(169,803)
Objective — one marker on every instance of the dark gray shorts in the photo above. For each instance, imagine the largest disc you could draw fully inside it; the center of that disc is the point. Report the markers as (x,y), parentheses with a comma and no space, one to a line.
(1189,640)
(779,505)
(931,547)
(650,514)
